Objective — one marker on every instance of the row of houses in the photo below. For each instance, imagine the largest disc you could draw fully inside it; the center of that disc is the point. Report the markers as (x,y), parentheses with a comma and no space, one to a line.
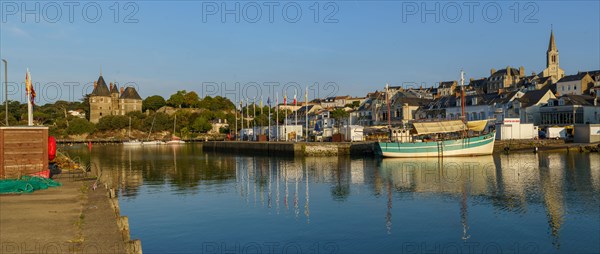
(548,98)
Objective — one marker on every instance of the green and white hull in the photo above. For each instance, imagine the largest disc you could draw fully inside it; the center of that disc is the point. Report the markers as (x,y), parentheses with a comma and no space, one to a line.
(481,145)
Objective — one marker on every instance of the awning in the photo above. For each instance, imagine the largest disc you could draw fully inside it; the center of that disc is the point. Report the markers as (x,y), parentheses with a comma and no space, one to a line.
(439,127)
(477,125)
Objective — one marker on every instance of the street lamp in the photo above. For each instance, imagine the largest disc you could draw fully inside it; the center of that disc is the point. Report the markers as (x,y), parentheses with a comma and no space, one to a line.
(6,90)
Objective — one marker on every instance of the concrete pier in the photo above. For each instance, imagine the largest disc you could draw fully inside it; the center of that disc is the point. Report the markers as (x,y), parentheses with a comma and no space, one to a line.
(291,148)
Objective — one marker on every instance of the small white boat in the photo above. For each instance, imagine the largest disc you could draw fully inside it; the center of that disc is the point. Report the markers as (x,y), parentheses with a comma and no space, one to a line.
(175,142)
(132,143)
(153,142)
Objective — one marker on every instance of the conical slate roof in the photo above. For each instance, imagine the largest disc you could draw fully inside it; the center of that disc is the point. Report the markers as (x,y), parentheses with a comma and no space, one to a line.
(113,88)
(101,89)
(130,93)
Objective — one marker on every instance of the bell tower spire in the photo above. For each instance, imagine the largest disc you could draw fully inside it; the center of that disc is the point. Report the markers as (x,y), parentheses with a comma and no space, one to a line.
(552,62)
(552,43)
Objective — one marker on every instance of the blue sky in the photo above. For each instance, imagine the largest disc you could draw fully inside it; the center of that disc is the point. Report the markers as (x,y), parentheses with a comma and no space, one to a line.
(182,45)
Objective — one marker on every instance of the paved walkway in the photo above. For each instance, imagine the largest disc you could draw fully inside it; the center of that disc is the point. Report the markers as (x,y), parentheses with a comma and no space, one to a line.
(67,219)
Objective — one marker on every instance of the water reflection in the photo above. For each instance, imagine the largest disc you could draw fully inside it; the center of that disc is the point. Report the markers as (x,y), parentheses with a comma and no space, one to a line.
(518,185)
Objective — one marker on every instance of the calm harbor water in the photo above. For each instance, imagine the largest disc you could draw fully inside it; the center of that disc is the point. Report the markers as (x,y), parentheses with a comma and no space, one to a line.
(181,200)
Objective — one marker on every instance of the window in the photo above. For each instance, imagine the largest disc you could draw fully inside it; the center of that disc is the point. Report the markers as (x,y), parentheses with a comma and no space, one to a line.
(563,88)
(575,87)
(100,113)
(569,88)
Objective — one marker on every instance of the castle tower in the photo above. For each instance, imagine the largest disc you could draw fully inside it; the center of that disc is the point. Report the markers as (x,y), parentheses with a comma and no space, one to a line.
(553,69)
(100,101)
(114,94)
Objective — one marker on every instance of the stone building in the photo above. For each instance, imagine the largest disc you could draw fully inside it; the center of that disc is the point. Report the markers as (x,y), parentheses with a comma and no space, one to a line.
(578,84)
(503,80)
(105,101)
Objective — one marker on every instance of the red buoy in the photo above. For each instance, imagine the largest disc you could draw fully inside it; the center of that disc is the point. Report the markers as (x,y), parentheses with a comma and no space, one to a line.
(51,148)
(90,145)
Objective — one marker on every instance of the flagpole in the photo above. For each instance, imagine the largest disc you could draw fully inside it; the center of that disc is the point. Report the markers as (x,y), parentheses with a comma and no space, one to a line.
(269,129)
(247,115)
(242,117)
(286,116)
(29,111)
(5,90)
(236,120)
(254,118)
(29,85)
(306,113)
(277,116)
(261,112)
(296,112)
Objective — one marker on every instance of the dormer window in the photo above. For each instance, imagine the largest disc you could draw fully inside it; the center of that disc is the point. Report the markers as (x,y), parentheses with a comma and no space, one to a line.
(474,101)
(561,102)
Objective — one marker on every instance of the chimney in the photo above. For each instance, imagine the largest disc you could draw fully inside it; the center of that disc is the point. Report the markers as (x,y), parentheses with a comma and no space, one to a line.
(522,71)
(508,72)
(122,90)
(95,84)
(111,86)
(471,79)
(492,71)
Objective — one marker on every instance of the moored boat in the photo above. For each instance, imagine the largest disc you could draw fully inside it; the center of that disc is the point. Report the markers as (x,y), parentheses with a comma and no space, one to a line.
(468,146)
(131,142)
(441,138)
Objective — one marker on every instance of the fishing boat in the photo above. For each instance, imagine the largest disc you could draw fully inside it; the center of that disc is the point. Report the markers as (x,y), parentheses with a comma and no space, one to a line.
(174,139)
(131,142)
(440,138)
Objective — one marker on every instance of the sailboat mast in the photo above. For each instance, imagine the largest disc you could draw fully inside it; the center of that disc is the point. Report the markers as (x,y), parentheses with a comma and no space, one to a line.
(462,96)
(387,99)
(129,134)
(174,124)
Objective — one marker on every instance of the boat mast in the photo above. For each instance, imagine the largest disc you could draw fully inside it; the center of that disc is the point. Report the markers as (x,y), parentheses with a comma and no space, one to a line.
(462,101)
(462,96)
(151,126)
(129,134)
(387,101)
(174,124)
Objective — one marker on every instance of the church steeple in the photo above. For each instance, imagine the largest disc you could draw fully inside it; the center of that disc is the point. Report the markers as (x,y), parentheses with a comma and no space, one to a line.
(552,63)
(552,44)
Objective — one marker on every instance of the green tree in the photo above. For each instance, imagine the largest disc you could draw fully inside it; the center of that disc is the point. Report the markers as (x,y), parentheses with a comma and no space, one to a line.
(112,123)
(153,103)
(85,104)
(339,114)
(191,100)
(201,125)
(79,126)
(177,99)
